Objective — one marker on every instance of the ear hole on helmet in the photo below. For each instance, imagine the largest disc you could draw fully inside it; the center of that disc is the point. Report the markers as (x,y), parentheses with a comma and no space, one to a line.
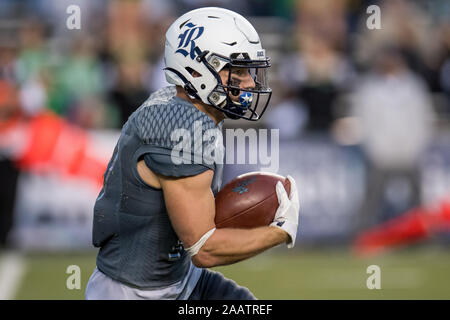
(193,73)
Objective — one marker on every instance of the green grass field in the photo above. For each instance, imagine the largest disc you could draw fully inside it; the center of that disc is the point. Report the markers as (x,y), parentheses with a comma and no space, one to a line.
(420,273)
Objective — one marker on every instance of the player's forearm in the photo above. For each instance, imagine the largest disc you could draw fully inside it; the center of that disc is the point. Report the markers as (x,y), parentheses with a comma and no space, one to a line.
(227,246)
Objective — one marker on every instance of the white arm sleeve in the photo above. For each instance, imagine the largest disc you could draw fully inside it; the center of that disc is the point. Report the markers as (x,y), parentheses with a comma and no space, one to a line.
(192,251)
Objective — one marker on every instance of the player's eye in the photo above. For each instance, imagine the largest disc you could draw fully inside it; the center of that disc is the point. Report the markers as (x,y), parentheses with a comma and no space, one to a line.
(240,72)
(234,82)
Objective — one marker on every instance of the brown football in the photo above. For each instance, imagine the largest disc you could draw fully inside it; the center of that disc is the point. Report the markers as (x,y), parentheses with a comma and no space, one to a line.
(248,201)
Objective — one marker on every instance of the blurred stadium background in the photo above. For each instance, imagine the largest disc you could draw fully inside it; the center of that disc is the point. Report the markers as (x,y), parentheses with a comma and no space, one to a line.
(364,120)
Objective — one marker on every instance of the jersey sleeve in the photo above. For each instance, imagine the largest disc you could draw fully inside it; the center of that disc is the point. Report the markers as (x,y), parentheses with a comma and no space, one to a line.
(177,139)
(162,163)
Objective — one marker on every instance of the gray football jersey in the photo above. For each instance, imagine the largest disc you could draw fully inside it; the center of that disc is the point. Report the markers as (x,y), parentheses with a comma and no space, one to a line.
(138,245)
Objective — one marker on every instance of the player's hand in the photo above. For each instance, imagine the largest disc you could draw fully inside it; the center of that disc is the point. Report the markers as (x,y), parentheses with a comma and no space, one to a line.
(287,213)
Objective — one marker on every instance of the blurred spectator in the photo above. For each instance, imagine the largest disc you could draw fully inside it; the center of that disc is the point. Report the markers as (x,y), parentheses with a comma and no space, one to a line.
(129,40)
(319,71)
(395,114)
(415,33)
(9,113)
(7,61)
(444,74)
(33,56)
(80,80)
(128,92)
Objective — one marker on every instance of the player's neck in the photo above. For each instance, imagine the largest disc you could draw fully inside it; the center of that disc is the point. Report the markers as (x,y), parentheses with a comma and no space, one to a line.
(213,113)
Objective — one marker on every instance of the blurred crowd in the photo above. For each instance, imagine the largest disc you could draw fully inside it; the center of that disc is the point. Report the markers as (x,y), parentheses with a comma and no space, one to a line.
(386,89)
(98,75)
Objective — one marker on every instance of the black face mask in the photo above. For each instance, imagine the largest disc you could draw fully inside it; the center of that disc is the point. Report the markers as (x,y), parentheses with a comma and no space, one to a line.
(252,102)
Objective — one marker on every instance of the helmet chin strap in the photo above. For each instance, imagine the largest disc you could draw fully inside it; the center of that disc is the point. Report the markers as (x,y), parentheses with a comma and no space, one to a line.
(188,87)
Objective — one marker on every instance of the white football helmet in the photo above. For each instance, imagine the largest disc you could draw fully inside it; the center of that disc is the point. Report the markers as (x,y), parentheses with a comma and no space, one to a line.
(207,40)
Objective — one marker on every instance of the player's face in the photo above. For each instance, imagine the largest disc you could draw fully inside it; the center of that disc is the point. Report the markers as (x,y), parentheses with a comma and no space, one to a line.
(239,78)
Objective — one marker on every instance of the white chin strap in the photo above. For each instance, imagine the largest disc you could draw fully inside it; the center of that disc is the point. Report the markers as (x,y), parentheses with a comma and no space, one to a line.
(192,251)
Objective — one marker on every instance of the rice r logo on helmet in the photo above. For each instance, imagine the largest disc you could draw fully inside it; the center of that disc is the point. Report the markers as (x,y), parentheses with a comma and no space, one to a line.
(188,37)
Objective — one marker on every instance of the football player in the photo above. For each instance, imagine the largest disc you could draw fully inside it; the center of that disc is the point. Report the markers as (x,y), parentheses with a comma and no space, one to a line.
(154,217)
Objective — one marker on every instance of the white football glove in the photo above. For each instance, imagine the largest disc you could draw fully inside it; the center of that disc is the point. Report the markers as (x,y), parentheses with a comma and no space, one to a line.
(286,216)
